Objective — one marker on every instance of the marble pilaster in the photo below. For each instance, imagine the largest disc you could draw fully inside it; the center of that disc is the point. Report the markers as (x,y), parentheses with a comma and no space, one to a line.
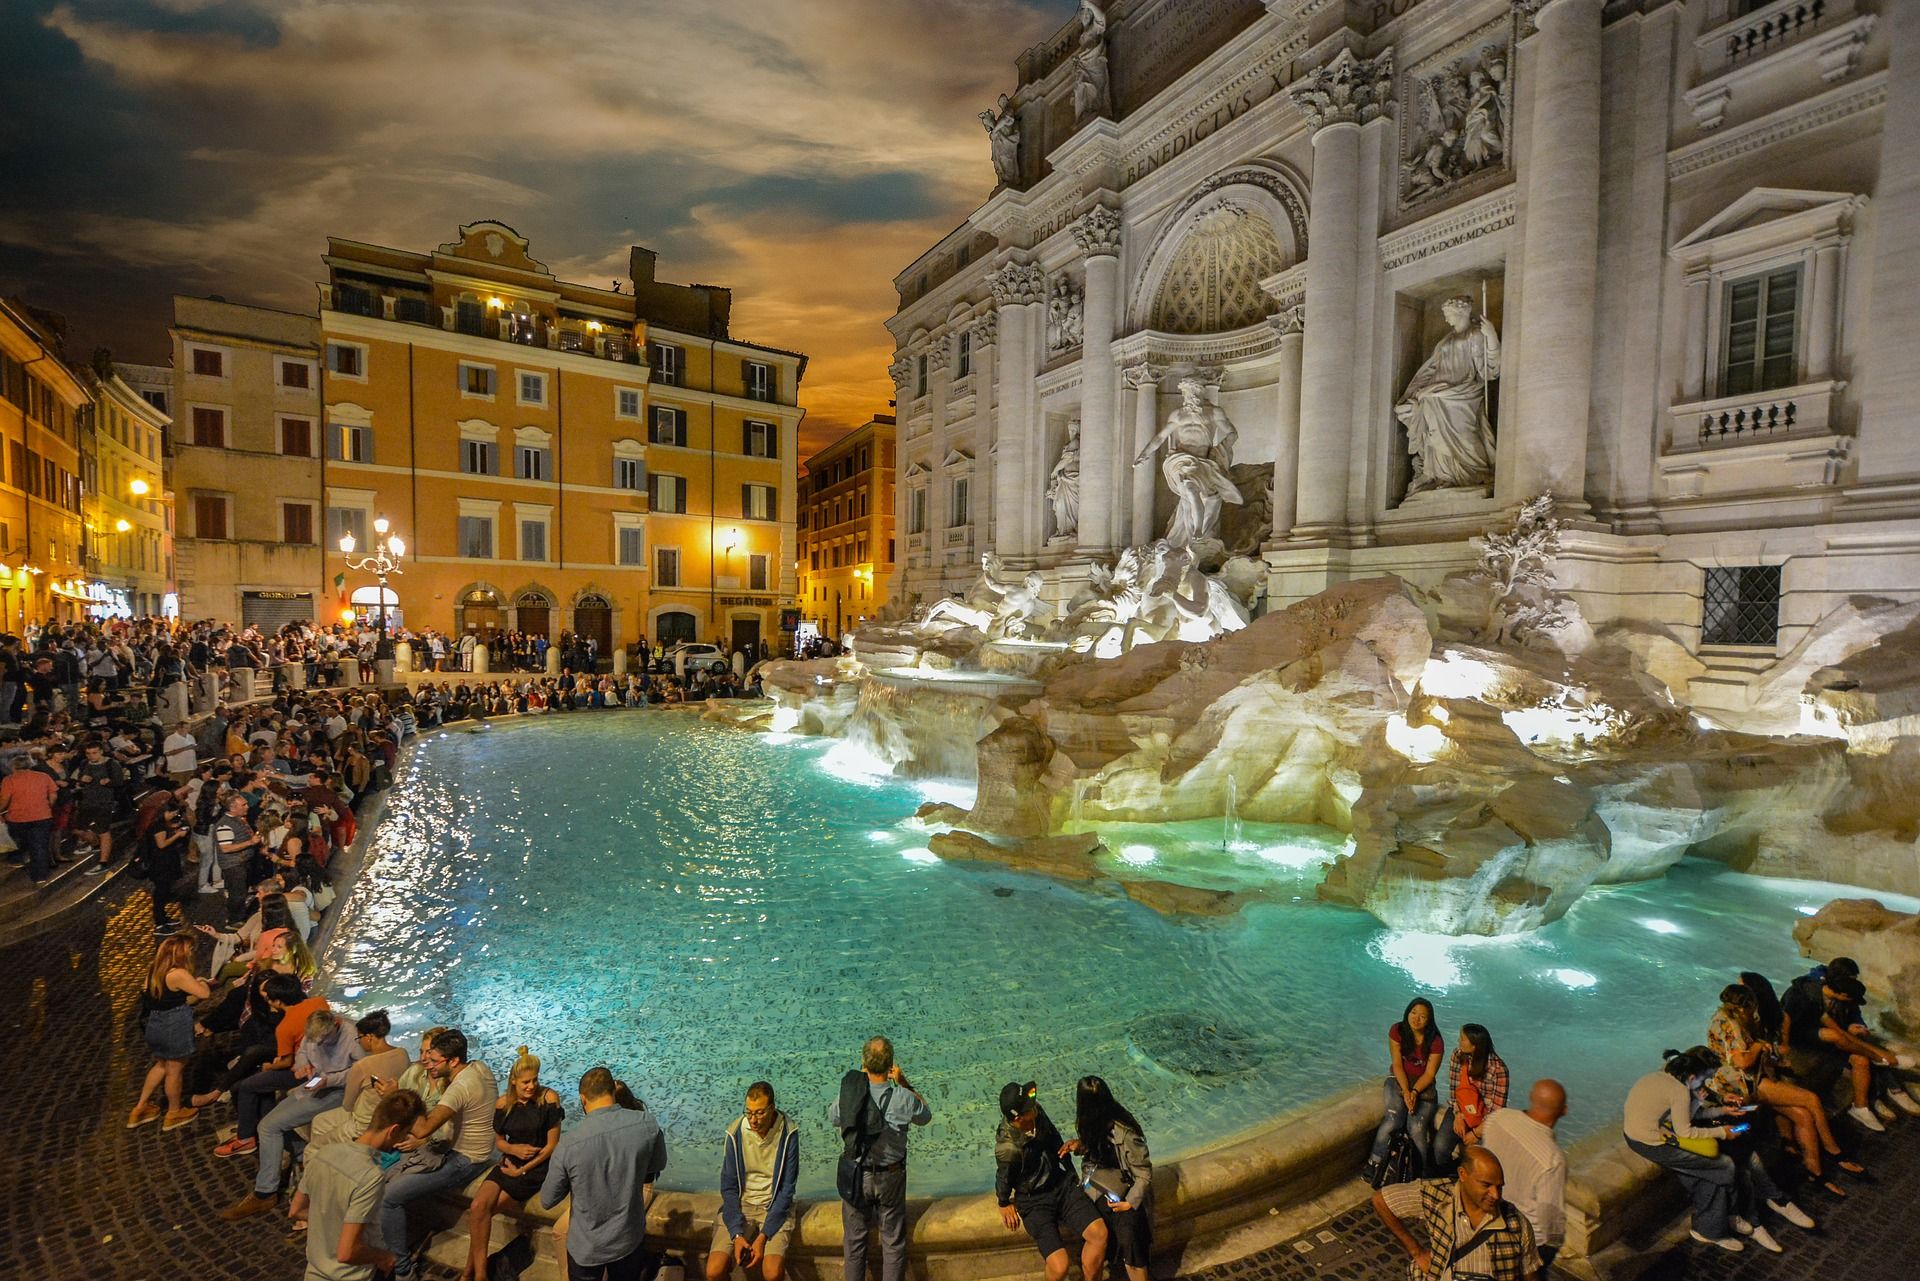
(1101,503)
(1559,254)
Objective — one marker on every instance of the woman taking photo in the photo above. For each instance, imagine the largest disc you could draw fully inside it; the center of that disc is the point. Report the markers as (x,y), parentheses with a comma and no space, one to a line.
(168,1024)
(1116,1172)
(1476,1089)
(1748,1071)
(526,1127)
(1414,1051)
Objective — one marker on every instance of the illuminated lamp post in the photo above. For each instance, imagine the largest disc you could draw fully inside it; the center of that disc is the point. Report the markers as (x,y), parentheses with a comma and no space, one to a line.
(382,560)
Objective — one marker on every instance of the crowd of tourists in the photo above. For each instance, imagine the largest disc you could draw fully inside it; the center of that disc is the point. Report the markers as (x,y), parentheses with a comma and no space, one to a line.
(1746,1123)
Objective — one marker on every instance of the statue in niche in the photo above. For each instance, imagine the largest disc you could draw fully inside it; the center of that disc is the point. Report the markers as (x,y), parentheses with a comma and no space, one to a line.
(1198,467)
(1003,136)
(1444,407)
(1063,485)
(1065,315)
(1091,96)
(1463,125)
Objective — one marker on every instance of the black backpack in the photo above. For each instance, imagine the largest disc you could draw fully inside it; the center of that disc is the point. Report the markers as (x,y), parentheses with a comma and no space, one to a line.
(861,1124)
(1402,1164)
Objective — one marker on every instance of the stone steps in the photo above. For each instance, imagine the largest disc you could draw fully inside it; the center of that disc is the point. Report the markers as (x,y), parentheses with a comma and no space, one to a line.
(26,908)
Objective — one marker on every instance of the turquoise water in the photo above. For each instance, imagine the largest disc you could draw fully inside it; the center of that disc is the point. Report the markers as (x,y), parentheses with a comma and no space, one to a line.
(699,907)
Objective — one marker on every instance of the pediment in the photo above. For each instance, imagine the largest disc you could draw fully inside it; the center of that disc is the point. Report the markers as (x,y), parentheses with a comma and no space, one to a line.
(1765,207)
(491,241)
(917,469)
(957,458)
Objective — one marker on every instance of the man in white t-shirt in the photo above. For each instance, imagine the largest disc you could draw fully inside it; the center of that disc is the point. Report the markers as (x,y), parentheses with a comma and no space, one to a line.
(1535,1167)
(340,1192)
(463,1118)
(182,753)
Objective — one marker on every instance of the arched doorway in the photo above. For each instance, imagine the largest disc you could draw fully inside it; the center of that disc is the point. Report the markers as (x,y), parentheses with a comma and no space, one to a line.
(479,612)
(533,613)
(366,604)
(675,627)
(593,620)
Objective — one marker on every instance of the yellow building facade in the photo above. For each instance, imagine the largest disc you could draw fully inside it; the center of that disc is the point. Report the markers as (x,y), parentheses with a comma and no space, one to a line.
(42,577)
(846,563)
(127,515)
(557,457)
(245,462)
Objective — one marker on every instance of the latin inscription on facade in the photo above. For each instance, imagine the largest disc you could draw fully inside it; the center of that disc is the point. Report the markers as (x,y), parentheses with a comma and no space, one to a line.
(1158,43)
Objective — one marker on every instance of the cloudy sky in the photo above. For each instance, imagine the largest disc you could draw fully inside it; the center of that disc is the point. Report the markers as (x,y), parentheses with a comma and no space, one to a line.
(800,151)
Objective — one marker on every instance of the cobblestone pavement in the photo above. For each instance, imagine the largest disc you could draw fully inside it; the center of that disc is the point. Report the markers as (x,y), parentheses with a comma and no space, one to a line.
(81,1196)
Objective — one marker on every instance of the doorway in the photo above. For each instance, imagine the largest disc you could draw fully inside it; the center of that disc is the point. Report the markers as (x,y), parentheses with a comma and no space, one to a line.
(593,619)
(746,635)
(675,627)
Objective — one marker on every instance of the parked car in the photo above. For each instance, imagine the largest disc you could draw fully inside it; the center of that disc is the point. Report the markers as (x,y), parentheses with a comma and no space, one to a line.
(699,658)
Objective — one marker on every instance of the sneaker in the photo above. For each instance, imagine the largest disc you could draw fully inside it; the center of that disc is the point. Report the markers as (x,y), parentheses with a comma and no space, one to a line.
(1741,1227)
(1884,1111)
(237,1146)
(404,1267)
(179,1117)
(1764,1239)
(143,1115)
(1865,1118)
(213,889)
(94,869)
(1731,1245)
(1792,1214)
(1369,1171)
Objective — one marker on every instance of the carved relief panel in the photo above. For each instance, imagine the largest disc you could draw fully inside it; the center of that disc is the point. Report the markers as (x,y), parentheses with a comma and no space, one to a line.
(1456,112)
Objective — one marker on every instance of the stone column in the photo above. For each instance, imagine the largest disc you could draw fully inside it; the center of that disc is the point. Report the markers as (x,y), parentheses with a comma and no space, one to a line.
(383,671)
(403,656)
(1017,291)
(1144,377)
(939,389)
(1286,420)
(1559,255)
(1823,300)
(906,570)
(1889,447)
(986,506)
(1102,502)
(295,675)
(619,660)
(1694,386)
(482,661)
(1338,99)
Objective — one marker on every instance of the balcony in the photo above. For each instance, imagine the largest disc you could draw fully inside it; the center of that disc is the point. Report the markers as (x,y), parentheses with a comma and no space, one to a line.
(1739,59)
(586,338)
(1773,441)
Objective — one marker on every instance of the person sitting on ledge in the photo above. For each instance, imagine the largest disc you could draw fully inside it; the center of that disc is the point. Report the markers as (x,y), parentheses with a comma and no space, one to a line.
(759,1170)
(1476,1088)
(339,1197)
(526,1128)
(1820,1046)
(1660,1125)
(1414,1049)
(1034,1184)
(1469,1230)
(320,1065)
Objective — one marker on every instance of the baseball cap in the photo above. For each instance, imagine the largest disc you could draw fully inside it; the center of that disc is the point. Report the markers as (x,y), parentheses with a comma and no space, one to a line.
(1016,1099)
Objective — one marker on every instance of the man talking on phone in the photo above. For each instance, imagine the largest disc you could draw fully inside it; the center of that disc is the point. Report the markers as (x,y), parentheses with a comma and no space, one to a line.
(320,1065)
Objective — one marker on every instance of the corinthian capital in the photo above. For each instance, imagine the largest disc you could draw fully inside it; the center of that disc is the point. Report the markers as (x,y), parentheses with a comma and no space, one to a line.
(1289,320)
(1346,89)
(900,369)
(986,331)
(1017,283)
(1098,232)
(1143,373)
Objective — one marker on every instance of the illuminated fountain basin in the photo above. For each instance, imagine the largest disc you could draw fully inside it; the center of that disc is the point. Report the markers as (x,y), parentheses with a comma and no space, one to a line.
(699,907)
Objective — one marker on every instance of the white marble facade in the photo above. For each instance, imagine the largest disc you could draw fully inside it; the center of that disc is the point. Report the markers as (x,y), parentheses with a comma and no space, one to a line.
(1676,246)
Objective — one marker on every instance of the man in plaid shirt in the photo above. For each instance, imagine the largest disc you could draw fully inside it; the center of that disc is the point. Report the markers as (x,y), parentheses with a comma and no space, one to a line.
(1470,1231)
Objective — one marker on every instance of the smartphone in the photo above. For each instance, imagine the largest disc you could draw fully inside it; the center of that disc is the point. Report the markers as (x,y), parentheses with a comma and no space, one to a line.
(1740,1128)
(315,1082)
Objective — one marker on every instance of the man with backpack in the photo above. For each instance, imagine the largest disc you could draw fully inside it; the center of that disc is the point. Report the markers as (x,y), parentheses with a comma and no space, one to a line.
(1035,1186)
(875,1108)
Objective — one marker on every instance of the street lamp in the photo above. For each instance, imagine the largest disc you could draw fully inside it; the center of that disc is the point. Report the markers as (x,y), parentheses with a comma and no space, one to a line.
(138,487)
(382,560)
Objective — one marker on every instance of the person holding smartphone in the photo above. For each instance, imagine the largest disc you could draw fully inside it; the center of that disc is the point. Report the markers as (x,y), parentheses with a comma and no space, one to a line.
(1659,1114)
(1117,1172)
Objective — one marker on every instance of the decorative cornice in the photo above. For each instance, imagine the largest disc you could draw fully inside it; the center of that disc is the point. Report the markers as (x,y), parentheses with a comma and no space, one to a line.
(1484,216)
(1098,232)
(1017,283)
(1346,89)
(1830,108)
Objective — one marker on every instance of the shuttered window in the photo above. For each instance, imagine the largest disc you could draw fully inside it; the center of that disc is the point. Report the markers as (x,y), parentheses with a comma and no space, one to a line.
(1757,347)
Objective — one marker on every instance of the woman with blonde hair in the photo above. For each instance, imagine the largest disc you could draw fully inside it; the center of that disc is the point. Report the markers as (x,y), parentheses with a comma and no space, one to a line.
(526,1128)
(1749,1071)
(167,1021)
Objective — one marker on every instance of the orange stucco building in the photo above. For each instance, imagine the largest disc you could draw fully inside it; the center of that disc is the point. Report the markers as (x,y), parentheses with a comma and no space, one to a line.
(557,456)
